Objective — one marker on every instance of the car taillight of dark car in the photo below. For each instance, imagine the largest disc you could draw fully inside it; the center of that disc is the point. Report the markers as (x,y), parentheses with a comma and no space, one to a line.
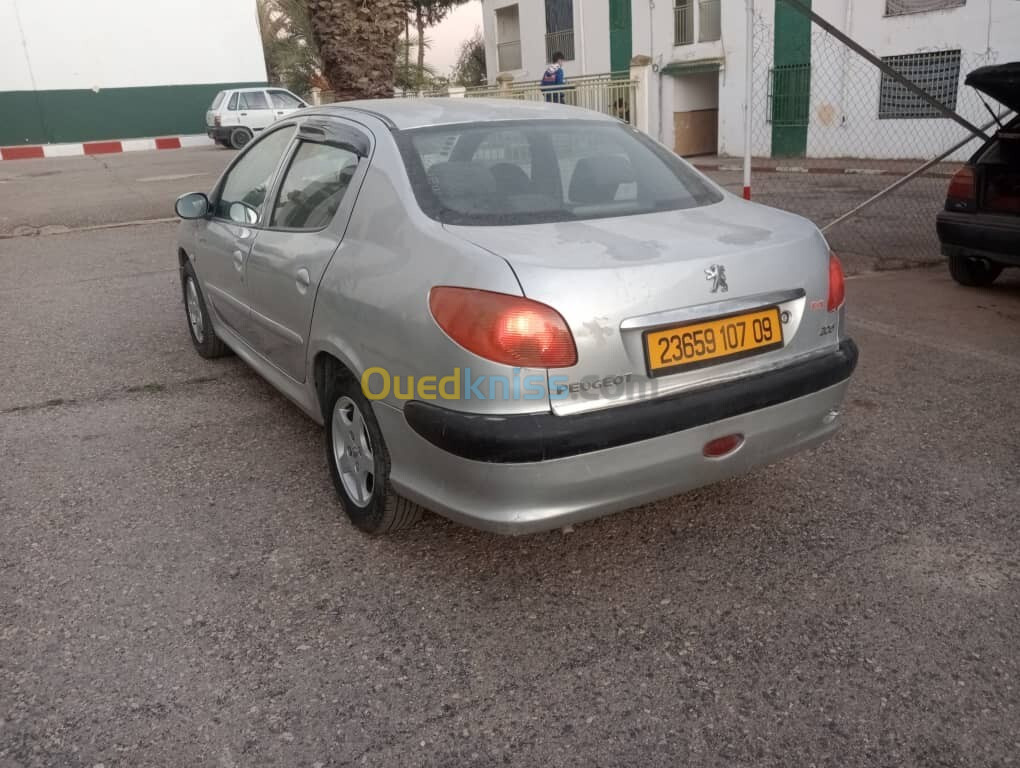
(961,195)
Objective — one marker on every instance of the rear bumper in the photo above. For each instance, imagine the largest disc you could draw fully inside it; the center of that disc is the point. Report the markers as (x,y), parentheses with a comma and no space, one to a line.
(218,133)
(994,236)
(545,436)
(526,496)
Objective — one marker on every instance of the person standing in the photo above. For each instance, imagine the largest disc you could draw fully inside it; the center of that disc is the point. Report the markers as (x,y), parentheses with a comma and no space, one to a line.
(554,79)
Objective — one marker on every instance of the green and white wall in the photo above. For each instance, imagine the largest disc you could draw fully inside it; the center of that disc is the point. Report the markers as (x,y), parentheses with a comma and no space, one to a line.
(93,70)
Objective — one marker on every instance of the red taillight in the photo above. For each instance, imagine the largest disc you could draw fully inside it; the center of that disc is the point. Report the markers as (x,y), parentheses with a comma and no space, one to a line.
(961,194)
(837,283)
(503,328)
(216,120)
(722,446)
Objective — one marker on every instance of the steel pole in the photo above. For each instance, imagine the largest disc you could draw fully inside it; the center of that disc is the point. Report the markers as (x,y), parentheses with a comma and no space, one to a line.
(914,173)
(748,92)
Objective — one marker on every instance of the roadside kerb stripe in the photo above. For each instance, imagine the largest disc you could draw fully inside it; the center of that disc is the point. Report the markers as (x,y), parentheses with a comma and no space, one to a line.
(827,171)
(37,151)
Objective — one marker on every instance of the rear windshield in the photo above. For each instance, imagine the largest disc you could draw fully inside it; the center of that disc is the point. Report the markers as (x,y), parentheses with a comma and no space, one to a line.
(218,100)
(528,172)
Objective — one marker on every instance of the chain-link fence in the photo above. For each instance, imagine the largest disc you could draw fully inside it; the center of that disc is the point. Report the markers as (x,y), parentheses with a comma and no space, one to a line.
(831,130)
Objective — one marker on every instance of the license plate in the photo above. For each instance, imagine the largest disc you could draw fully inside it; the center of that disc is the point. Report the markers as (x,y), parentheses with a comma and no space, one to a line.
(707,342)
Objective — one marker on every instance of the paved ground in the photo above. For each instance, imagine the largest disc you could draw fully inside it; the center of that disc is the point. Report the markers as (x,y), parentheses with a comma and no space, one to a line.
(73,192)
(178,588)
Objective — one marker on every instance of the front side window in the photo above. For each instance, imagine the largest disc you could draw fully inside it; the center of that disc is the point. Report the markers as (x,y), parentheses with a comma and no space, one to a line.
(546,171)
(284,100)
(242,197)
(315,184)
(254,100)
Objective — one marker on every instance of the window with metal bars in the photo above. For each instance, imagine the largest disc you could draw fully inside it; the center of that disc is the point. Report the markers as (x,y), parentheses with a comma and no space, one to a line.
(937,72)
(901,7)
(559,28)
(508,38)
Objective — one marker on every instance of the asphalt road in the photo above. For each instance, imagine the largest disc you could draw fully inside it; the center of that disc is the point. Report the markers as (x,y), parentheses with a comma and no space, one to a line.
(178,587)
(73,192)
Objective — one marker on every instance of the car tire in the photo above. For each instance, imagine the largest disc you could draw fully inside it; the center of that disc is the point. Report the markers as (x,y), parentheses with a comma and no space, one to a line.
(973,271)
(360,464)
(239,138)
(200,327)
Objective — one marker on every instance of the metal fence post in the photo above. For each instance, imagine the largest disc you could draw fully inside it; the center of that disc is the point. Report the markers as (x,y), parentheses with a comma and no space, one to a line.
(641,75)
(748,91)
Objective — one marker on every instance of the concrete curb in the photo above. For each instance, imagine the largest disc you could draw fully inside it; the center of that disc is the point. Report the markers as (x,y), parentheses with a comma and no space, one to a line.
(36,151)
(820,170)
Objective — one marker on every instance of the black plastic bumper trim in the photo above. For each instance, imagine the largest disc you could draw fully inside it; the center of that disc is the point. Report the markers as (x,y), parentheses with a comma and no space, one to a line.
(986,233)
(541,437)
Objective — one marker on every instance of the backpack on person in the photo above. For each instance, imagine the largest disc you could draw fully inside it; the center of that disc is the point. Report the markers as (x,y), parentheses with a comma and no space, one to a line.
(554,79)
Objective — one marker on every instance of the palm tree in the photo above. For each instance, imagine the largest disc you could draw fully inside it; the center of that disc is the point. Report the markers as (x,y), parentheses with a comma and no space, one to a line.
(292,58)
(409,76)
(358,41)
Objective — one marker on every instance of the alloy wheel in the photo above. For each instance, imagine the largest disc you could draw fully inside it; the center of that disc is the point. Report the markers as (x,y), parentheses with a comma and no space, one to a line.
(352,451)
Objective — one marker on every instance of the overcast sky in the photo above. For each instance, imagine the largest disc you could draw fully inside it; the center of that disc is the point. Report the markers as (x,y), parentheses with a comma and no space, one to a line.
(447,37)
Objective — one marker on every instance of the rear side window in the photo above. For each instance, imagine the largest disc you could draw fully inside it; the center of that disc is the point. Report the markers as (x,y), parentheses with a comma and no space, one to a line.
(254,100)
(315,185)
(283,100)
(232,106)
(528,172)
(218,100)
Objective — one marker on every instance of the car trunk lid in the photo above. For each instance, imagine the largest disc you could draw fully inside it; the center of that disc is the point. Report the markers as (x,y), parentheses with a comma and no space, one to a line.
(616,279)
(1000,81)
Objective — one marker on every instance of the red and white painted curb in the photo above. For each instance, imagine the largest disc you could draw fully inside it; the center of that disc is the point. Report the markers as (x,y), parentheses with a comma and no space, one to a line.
(34,151)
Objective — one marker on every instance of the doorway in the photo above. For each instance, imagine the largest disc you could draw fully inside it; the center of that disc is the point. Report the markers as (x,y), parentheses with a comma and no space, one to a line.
(790,82)
(621,39)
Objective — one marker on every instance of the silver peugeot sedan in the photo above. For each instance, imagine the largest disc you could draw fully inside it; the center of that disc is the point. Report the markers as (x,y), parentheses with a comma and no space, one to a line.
(519,316)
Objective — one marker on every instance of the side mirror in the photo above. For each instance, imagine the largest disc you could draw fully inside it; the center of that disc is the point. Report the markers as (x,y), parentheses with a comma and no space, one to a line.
(243,214)
(194,205)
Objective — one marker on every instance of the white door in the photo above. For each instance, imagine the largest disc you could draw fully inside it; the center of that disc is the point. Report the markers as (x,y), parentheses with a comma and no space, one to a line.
(254,110)
(284,102)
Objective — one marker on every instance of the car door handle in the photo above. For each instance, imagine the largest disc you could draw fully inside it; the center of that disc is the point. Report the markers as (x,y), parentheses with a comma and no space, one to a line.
(303,280)
(280,112)
(244,114)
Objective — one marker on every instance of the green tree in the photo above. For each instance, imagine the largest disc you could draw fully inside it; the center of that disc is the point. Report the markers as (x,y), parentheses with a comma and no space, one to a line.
(292,59)
(358,42)
(408,75)
(470,67)
(428,13)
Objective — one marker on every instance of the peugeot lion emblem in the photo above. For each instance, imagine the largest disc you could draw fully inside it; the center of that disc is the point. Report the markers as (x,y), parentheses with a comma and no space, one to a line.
(717,274)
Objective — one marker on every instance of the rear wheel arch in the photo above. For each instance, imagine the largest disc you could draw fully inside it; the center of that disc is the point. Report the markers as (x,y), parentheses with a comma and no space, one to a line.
(327,369)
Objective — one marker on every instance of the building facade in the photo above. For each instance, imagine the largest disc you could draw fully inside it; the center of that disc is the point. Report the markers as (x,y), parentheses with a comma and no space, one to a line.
(75,71)
(811,96)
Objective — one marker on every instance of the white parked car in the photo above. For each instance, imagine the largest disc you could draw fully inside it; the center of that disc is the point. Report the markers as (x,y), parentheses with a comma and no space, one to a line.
(237,115)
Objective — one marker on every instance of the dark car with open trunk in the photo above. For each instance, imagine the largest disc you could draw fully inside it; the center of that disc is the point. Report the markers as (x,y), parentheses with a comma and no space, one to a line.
(980,226)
